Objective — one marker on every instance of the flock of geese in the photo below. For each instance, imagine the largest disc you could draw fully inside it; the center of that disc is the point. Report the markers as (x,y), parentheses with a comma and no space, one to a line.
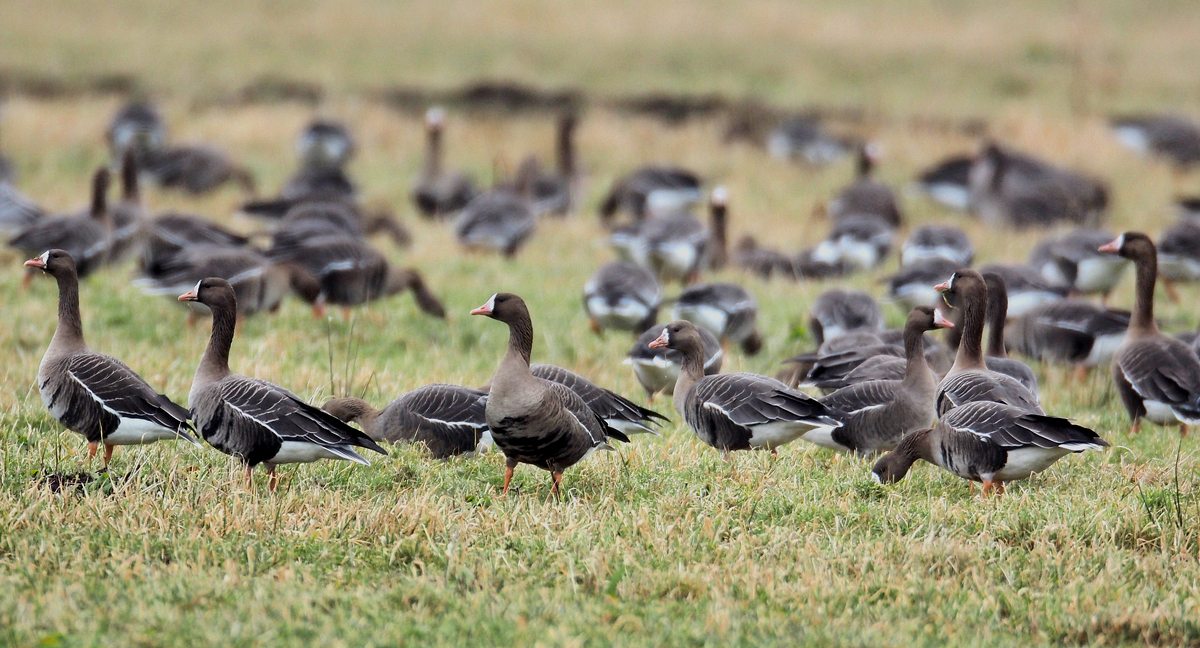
(901,395)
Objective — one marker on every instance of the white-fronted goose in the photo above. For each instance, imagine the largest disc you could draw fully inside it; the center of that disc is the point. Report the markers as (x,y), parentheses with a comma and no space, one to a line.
(253,420)
(857,242)
(440,193)
(620,413)
(1027,289)
(937,242)
(835,365)
(536,421)
(802,139)
(739,411)
(169,234)
(136,127)
(990,443)
(1071,331)
(554,192)
(651,190)
(727,310)
(1173,137)
(325,143)
(17,211)
(85,237)
(447,419)
(195,169)
(969,379)
(622,296)
(498,220)
(657,369)
(806,265)
(948,182)
(93,394)
(912,285)
(1179,254)
(1157,376)
(1013,190)
(876,415)
(837,312)
(997,359)
(866,195)
(764,262)
(1073,261)
(676,246)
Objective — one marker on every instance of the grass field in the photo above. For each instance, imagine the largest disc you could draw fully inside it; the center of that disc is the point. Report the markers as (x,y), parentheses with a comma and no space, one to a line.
(662,543)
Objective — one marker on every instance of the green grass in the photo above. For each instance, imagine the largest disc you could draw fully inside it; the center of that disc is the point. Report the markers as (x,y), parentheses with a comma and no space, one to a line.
(662,543)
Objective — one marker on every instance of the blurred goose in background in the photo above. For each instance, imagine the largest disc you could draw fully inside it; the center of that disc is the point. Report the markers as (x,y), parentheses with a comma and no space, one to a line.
(657,369)
(937,242)
(554,192)
(803,139)
(1172,137)
(857,242)
(1072,261)
(195,169)
(866,195)
(440,193)
(93,394)
(991,443)
(500,219)
(1188,207)
(806,265)
(620,413)
(837,312)
(253,420)
(948,182)
(1014,190)
(137,127)
(996,358)
(1071,331)
(1026,287)
(740,411)
(169,234)
(652,189)
(314,217)
(1157,376)
(1179,255)
(85,237)
(764,262)
(127,218)
(17,211)
(675,246)
(324,149)
(447,419)
(912,285)
(622,296)
(876,415)
(8,170)
(725,309)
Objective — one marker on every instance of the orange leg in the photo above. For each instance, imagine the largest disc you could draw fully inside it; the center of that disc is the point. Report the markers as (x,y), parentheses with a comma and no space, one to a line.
(1183,430)
(272,479)
(999,488)
(1137,427)
(1172,293)
(556,484)
(107,454)
(988,485)
(971,487)
(508,473)
(319,309)
(1081,373)
(346,313)
(775,451)
(92,447)
(595,326)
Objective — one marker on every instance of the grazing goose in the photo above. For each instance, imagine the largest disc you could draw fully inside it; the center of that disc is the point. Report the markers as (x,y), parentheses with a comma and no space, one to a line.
(726,310)
(325,143)
(764,262)
(948,182)
(1157,376)
(1015,191)
(622,296)
(838,364)
(254,420)
(1179,254)
(657,369)
(937,242)
(84,237)
(93,394)
(17,212)
(136,127)
(876,415)
(990,443)
(803,364)
(802,138)
(969,379)
(1172,137)
(740,411)
(440,193)
(447,419)
(653,189)
(997,359)
(1026,287)
(857,242)
(1073,262)
(171,233)
(866,195)
(806,265)
(1071,331)
(620,413)
(837,312)
(498,220)
(195,169)
(912,285)
(533,420)
(676,246)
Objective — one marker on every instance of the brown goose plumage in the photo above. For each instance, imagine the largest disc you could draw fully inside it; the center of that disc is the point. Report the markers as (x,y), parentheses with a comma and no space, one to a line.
(440,193)
(447,419)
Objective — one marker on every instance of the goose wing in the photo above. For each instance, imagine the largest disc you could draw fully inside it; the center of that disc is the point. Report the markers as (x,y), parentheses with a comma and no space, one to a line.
(119,392)
(1011,429)
(449,419)
(1165,370)
(608,405)
(974,386)
(860,396)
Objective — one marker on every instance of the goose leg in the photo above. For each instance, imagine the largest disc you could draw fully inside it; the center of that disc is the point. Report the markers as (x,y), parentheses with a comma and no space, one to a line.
(1183,430)
(999,488)
(92,447)
(107,454)
(595,326)
(988,485)
(556,481)
(346,313)
(1137,427)
(971,487)
(1081,373)
(272,479)
(318,308)
(508,473)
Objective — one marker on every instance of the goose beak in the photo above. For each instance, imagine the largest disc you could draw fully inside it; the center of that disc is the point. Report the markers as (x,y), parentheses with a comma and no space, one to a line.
(661,341)
(942,287)
(189,296)
(940,320)
(35,263)
(1113,246)
(482,310)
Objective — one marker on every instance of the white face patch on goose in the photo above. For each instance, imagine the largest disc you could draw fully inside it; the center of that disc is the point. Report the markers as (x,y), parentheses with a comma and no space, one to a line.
(491,303)
(196,288)
(45,257)
(1120,241)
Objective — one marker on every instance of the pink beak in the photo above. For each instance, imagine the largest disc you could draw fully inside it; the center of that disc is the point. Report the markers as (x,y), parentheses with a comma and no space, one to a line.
(482,310)
(1112,246)
(35,263)
(942,287)
(940,321)
(189,296)
(661,341)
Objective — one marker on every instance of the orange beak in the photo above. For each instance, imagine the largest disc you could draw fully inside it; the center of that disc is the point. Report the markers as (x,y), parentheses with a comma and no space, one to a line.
(1113,246)
(942,287)
(189,296)
(482,310)
(661,341)
(35,263)
(940,321)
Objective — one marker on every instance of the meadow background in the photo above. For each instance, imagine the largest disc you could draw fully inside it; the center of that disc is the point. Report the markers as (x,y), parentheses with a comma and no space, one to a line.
(662,543)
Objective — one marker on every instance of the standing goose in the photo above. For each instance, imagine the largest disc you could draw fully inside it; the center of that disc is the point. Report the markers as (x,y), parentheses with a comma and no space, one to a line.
(254,420)
(997,359)
(533,420)
(676,246)
(866,195)
(554,193)
(1074,262)
(802,138)
(657,369)
(1071,331)
(93,394)
(84,237)
(440,193)
(499,220)
(171,233)
(969,379)
(762,261)
(1179,254)
(195,169)
(938,242)
(876,415)
(620,413)
(740,411)
(1157,376)
(990,443)
(727,310)
(447,419)
(622,296)
(136,127)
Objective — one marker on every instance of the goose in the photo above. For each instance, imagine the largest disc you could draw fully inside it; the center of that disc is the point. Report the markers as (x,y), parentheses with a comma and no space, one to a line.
(718,244)
(136,127)
(996,358)
(17,211)
(649,190)
(802,138)
(620,413)
(727,310)
(84,237)
(866,195)
(740,411)
(440,193)
(1157,376)
(554,193)
(969,379)
(990,443)
(948,182)
(195,169)
(93,394)
(1073,261)
(858,242)
(498,220)
(168,234)
(447,419)
(803,364)
(838,363)
(807,265)
(658,369)
(536,421)
(764,262)
(1172,137)
(126,217)
(1188,207)
(837,312)
(937,242)
(253,420)
(1026,287)
(876,415)
(1071,331)
(676,246)
(1179,255)
(1014,190)
(912,285)
(325,143)
(622,296)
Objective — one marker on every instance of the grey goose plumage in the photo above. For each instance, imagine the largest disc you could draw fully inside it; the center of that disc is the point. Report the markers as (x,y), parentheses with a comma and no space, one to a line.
(658,369)
(440,193)
(252,420)
(866,195)
(1071,331)
(499,220)
(618,412)
(17,211)
(1026,287)
(837,312)
(623,296)
(912,285)
(1073,261)
(727,310)
(85,237)
(1173,137)
(938,242)
(996,355)
(447,419)
(91,393)
(650,190)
